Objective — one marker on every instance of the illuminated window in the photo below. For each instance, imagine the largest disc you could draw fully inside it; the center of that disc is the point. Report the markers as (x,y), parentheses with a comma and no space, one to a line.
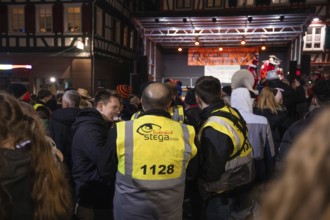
(279,1)
(243,3)
(16,19)
(44,18)
(183,4)
(213,3)
(72,18)
(314,38)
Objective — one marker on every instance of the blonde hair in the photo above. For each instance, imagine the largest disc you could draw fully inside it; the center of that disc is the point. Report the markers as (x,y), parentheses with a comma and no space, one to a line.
(266,100)
(51,196)
(303,191)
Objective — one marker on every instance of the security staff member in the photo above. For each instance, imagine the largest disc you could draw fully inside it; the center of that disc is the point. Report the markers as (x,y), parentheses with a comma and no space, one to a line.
(153,152)
(176,111)
(226,154)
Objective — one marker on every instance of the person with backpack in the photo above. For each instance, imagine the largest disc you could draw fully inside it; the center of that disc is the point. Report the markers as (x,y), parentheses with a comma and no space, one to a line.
(226,158)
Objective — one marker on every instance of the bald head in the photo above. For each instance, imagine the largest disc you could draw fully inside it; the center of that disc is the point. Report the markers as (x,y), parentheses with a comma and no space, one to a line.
(156,96)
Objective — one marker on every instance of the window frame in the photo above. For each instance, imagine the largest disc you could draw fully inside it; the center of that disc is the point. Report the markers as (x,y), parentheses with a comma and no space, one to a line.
(44,6)
(10,19)
(65,20)
(99,22)
(313,41)
(183,7)
(109,27)
(213,5)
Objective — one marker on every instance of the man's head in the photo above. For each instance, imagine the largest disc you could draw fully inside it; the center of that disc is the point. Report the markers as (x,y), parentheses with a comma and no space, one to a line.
(321,91)
(71,99)
(107,103)
(207,90)
(44,95)
(156,96)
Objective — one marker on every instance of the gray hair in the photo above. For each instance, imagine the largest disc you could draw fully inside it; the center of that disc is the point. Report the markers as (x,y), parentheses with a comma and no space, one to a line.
(72,97)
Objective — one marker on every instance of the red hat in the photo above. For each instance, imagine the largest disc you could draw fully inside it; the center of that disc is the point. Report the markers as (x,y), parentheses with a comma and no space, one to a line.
(124,91)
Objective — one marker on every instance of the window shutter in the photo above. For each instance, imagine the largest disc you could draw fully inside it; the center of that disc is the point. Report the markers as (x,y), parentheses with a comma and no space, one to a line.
(3,18)
(86,14)
(58,17)
(30,26)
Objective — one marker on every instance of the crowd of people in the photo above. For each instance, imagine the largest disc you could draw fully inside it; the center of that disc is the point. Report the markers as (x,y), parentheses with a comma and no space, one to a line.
(231,152)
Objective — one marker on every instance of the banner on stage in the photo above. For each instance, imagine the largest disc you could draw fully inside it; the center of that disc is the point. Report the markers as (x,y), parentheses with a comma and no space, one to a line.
(229,56)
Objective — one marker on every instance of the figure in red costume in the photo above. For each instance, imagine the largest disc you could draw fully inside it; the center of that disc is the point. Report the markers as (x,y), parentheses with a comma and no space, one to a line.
(271,64)
(253,69)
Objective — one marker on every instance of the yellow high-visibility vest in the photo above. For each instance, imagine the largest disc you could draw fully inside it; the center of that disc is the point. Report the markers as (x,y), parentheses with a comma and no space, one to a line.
(239,168)
(154,151)
(177,113)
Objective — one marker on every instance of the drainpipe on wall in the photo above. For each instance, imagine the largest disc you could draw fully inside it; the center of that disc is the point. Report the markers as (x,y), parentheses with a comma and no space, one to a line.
(92,48)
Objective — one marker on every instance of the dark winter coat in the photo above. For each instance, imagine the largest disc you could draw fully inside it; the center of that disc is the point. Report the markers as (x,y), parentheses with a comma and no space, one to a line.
(90,135)
(278,123)
(16,181)
(293,132)
(60,131)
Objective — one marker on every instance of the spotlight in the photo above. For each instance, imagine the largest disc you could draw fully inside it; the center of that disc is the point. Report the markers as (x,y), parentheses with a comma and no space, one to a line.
(263,47)
(249,19)
(243,42)
(282,18)
(220,49)
(180,49)
(214,19)
(52,79)
(196,42)
(156,20)
(184,20)
(316,19)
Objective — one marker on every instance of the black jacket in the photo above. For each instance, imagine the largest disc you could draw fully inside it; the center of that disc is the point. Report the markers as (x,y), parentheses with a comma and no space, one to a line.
(16,179)
(60,131)
(215,150)
(278,123)
(90,135)
(294,130)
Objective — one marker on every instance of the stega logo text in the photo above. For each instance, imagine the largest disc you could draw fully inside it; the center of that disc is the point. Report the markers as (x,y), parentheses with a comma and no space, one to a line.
(152,131)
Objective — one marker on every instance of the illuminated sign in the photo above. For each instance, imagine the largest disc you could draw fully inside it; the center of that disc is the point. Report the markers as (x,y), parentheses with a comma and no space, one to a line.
(10,66)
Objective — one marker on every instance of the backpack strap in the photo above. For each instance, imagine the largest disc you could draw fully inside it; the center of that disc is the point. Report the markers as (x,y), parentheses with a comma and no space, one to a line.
(238,122)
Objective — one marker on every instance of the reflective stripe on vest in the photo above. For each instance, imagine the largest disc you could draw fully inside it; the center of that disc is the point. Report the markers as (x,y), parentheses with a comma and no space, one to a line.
(36,106)
(153,155)
(135,115)
(238,170)
(177,113)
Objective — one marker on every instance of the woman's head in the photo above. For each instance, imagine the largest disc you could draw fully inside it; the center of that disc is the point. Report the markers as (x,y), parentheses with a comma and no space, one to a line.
(13,123)
(270,98)
(50,193)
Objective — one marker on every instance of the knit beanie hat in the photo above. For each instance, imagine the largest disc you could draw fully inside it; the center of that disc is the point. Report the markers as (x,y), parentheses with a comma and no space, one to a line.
(17,89)
(124,91)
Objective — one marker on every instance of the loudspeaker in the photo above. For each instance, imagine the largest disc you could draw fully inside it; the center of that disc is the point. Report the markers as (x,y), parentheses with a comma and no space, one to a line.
(305,66)
(292,70)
